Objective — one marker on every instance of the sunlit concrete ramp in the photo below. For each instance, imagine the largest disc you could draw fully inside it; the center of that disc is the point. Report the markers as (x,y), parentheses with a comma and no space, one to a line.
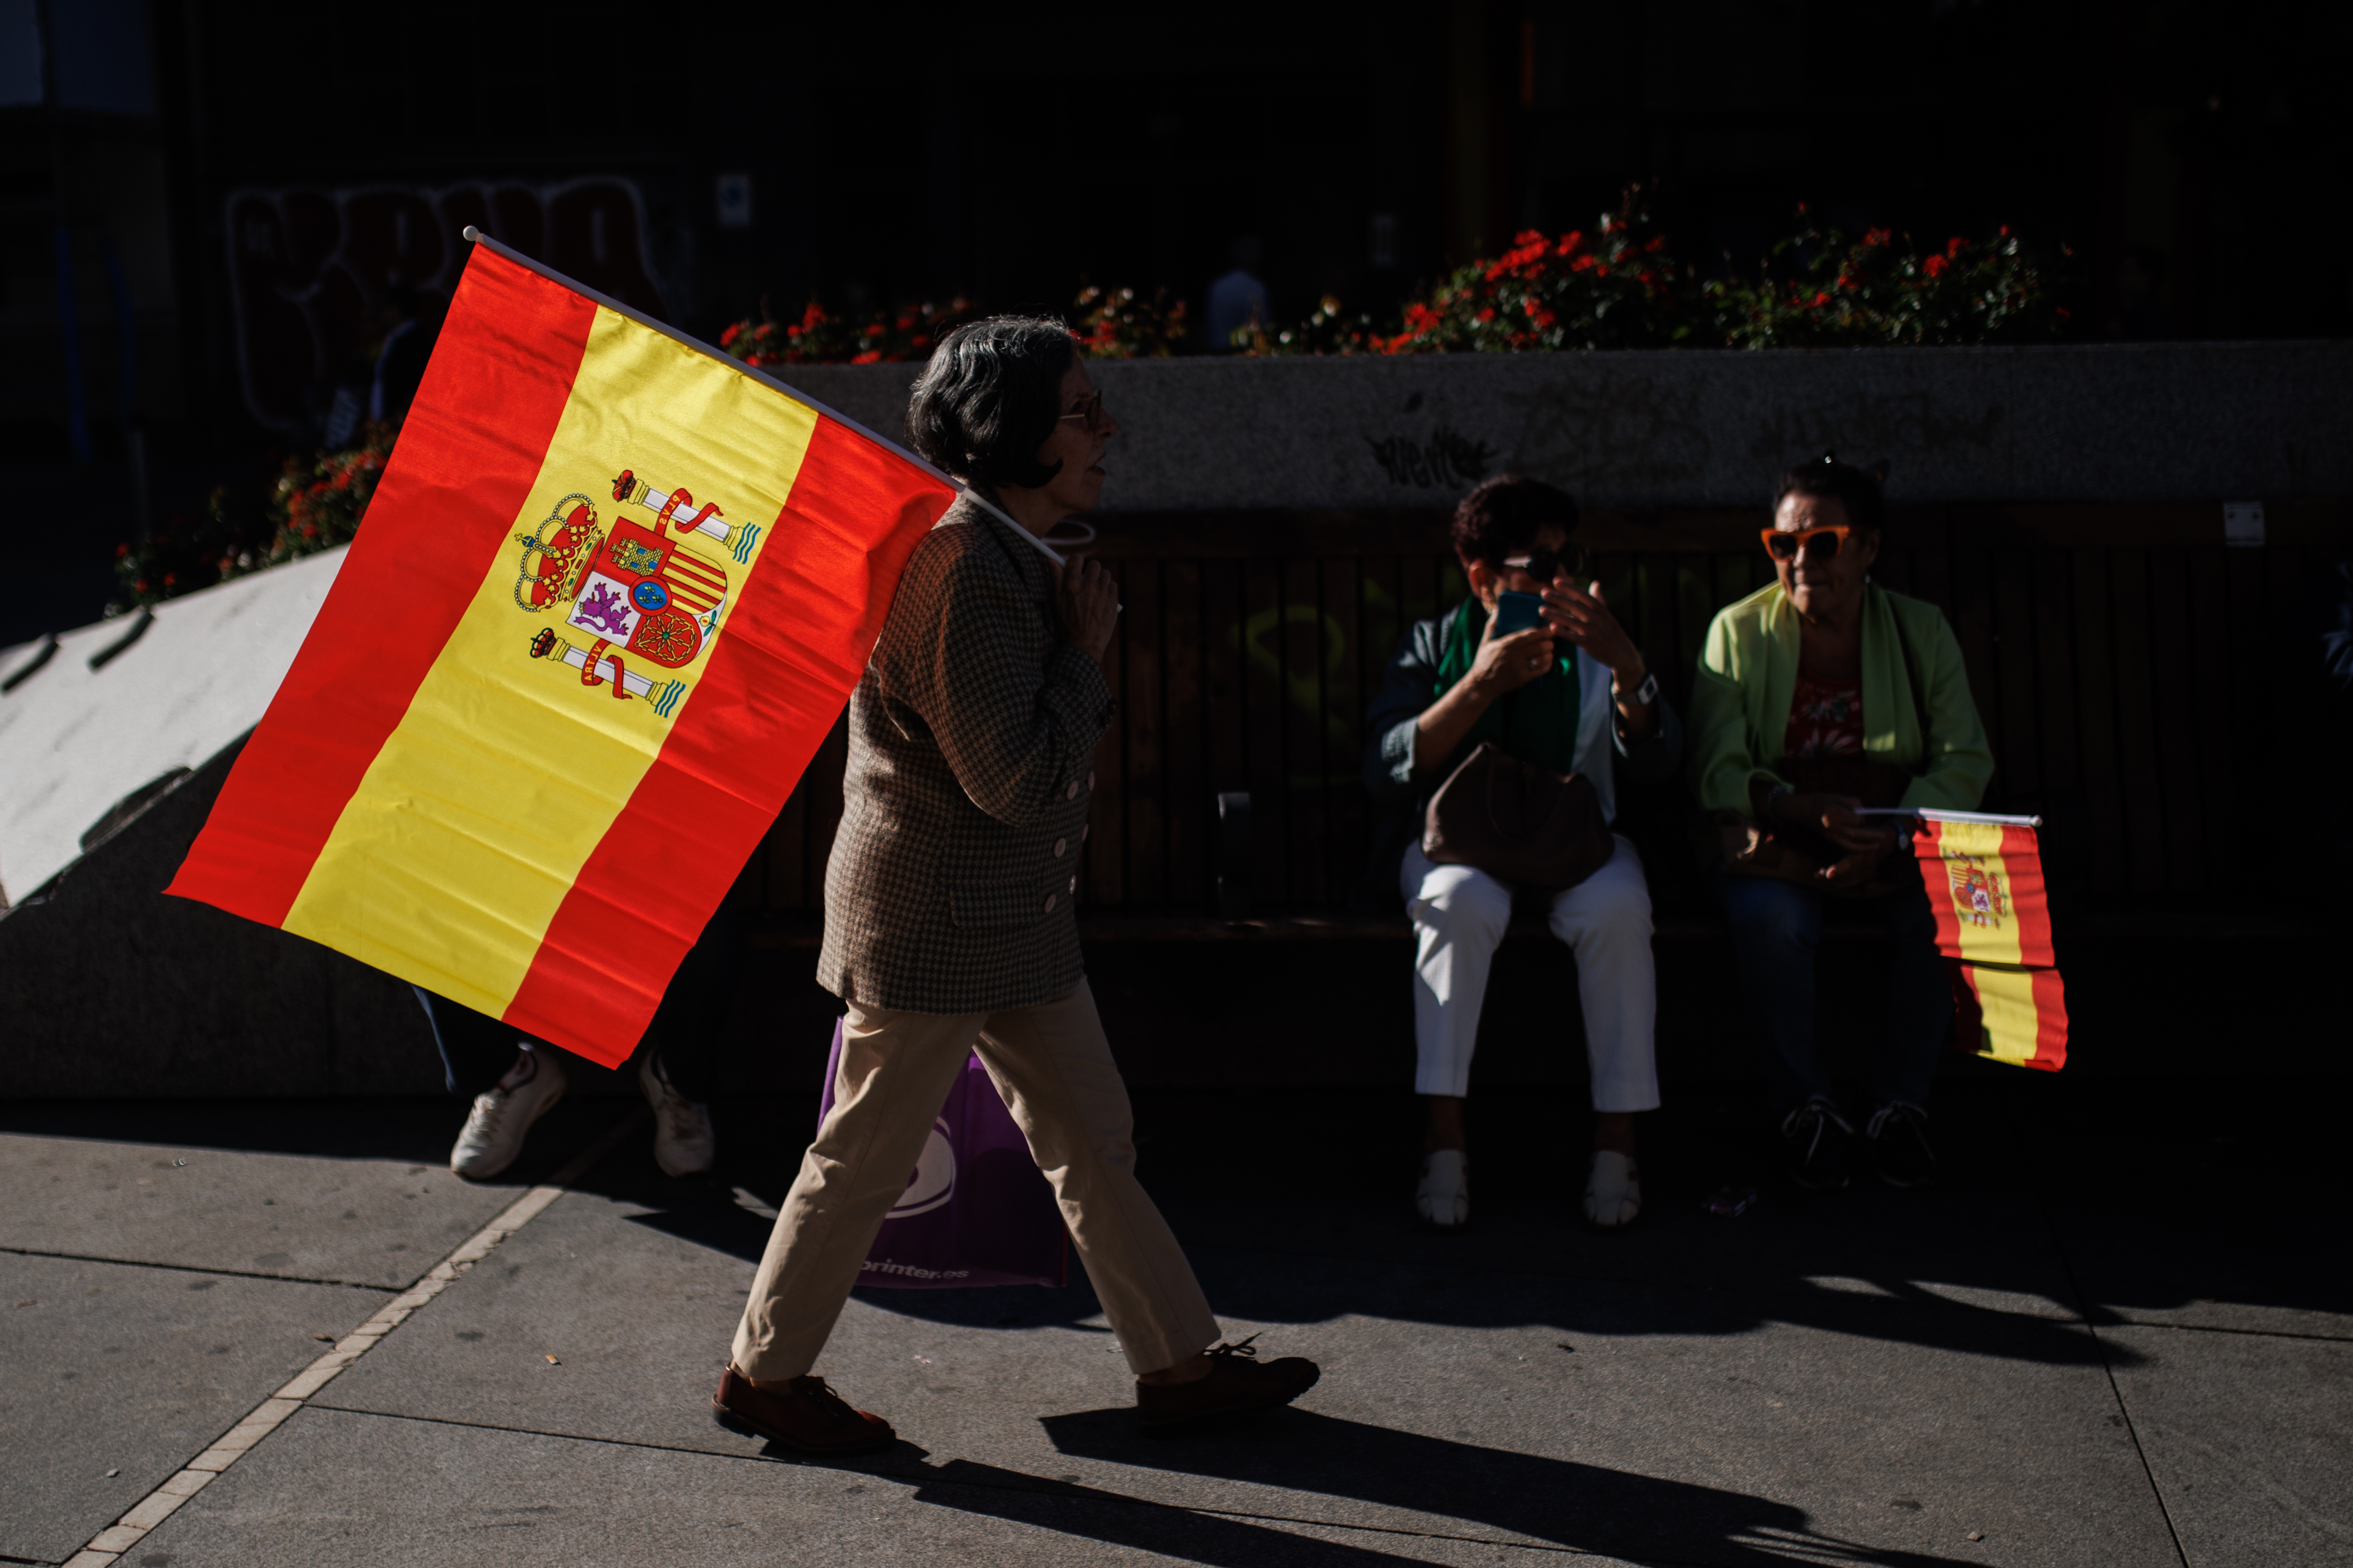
(114,740)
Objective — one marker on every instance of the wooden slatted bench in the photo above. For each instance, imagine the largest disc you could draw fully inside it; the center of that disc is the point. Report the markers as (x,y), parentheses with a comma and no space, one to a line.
(2141,683)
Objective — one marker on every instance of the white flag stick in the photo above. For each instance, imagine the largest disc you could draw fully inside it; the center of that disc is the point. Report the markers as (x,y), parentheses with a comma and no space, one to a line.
(1933,813)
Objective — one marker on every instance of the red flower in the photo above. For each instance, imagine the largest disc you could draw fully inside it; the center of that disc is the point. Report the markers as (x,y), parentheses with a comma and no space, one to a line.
(1935,265)
(1877,236)
(121,551)
(1823,299)
(1956,244)
(729,336)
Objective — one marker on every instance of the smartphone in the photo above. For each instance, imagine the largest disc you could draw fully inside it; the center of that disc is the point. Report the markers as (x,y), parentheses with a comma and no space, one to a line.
(1517,613)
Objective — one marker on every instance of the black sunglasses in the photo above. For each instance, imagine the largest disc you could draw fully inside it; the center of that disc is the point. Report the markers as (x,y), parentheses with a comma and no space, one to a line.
(1544,565)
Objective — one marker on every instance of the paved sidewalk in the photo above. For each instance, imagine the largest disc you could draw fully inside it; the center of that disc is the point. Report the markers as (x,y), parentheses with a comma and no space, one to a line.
(2115,1338)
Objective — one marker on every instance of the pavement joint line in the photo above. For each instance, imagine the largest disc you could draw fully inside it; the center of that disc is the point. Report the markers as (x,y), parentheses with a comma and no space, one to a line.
(108,1544)
(193,1269)
(2115,1323)
(2115,1390)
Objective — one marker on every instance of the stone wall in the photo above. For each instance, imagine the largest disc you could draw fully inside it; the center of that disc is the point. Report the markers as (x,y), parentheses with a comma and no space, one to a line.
(2144,422)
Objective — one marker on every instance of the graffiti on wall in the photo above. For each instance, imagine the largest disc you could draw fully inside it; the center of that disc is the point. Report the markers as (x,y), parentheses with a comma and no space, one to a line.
(313,271)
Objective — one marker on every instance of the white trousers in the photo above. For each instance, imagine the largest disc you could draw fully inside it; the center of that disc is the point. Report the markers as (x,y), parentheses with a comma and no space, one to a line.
(1459,916)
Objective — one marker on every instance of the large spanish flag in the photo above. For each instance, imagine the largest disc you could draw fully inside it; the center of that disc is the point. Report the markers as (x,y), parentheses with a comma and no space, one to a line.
(1993,925)
(611,595)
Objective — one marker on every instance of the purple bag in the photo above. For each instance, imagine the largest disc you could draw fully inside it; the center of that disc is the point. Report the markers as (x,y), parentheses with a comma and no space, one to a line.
(977,1211)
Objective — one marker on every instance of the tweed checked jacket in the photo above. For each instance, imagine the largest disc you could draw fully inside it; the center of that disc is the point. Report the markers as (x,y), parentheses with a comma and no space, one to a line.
(954,872)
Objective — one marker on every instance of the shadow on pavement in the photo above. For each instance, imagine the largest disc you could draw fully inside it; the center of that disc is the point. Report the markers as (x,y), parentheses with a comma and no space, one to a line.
(1548,1502)
(2062,1203)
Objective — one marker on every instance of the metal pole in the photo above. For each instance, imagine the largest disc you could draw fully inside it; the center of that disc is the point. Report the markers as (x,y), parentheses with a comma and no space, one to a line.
(497,249)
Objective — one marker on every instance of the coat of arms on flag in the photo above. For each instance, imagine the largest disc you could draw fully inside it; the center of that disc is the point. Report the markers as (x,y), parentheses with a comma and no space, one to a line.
(628,588)
(1984,880)
(610,596)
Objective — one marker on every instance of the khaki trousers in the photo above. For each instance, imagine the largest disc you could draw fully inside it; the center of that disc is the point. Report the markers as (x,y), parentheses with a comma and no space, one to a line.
(1054,1069)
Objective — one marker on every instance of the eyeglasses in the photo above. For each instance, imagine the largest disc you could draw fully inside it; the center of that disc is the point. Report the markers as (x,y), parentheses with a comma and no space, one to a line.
(1090,414)
(1783,544)
(1544,565)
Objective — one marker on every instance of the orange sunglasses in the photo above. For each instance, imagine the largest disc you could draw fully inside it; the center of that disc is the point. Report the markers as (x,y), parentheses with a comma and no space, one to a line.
(1783,544)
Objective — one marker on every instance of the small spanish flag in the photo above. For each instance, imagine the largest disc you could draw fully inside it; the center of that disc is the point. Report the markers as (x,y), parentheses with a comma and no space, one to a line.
(611,595)
(1984,879)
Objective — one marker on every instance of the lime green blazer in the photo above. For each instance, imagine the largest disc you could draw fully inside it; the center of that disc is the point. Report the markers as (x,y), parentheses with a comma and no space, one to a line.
(1740,707)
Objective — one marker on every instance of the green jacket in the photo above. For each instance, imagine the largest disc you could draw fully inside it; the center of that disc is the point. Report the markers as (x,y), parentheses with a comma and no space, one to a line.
(1748,673)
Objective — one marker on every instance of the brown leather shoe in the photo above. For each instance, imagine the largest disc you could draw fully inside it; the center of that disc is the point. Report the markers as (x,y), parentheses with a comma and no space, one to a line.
(806,1416)
(1237,1384)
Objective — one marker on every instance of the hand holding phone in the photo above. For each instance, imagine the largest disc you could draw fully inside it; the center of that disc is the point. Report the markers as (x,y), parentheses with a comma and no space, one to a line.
(1517,612)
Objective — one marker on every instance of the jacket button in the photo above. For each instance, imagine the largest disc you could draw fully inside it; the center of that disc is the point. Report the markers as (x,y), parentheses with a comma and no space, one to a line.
(1074,883)
(1049,903)
(1071,793)
(1059,845)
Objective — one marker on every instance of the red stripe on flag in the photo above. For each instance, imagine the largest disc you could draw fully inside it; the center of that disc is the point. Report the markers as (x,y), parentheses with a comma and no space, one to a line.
(468,454)
(2029,899)
(2051,1022)
(790,651)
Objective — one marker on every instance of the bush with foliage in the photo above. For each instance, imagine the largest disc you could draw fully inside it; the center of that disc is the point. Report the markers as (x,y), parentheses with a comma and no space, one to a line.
(1829,292)
(313,507)
(820,337)
(1616,289)
(1329,329)
(1113,323)
(1118,323)
(1623,288)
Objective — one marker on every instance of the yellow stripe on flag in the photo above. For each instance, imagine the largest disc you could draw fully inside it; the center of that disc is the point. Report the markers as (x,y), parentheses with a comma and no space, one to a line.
(1973,849)
(503,775)
(2006,1001)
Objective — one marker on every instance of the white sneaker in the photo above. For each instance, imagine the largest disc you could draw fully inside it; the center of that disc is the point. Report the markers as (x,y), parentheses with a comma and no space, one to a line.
(1443,1199)
(502,1116)
(685,1144)
(1613,1193)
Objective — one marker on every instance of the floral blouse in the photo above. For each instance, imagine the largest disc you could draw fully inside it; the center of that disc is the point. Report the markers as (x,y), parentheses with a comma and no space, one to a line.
(1825,718)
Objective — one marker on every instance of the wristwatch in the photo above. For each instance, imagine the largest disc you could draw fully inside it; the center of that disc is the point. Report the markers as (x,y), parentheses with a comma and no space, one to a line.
(1648,693)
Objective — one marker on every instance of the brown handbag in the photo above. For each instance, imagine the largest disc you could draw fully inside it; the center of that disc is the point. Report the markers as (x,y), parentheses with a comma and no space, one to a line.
(1517,822)
(1799,854)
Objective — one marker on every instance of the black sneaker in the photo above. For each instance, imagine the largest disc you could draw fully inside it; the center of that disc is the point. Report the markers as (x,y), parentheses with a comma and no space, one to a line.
(1898,1133)
(1817,1137)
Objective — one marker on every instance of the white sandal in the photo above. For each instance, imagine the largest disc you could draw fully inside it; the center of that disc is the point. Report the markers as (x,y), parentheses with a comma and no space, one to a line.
(1443,1199)
(1613,1193)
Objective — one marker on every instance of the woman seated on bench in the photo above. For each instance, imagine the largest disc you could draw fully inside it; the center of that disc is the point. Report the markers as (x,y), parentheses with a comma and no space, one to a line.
(1570,695)
(1818,694)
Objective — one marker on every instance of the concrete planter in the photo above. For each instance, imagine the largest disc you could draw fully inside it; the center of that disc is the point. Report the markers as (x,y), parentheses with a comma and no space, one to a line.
(2143,422)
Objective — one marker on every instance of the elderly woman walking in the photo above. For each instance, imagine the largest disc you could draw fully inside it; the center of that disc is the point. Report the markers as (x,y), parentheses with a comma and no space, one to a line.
(1820,694)
(949,924)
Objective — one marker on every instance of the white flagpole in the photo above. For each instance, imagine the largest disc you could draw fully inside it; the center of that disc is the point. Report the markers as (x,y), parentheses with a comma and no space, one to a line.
(497,249)
(1934,813)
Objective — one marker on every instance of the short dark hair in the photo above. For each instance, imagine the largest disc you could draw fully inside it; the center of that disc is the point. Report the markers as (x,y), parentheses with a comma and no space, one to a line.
(1860,490)
(1500,517)
(990,396)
